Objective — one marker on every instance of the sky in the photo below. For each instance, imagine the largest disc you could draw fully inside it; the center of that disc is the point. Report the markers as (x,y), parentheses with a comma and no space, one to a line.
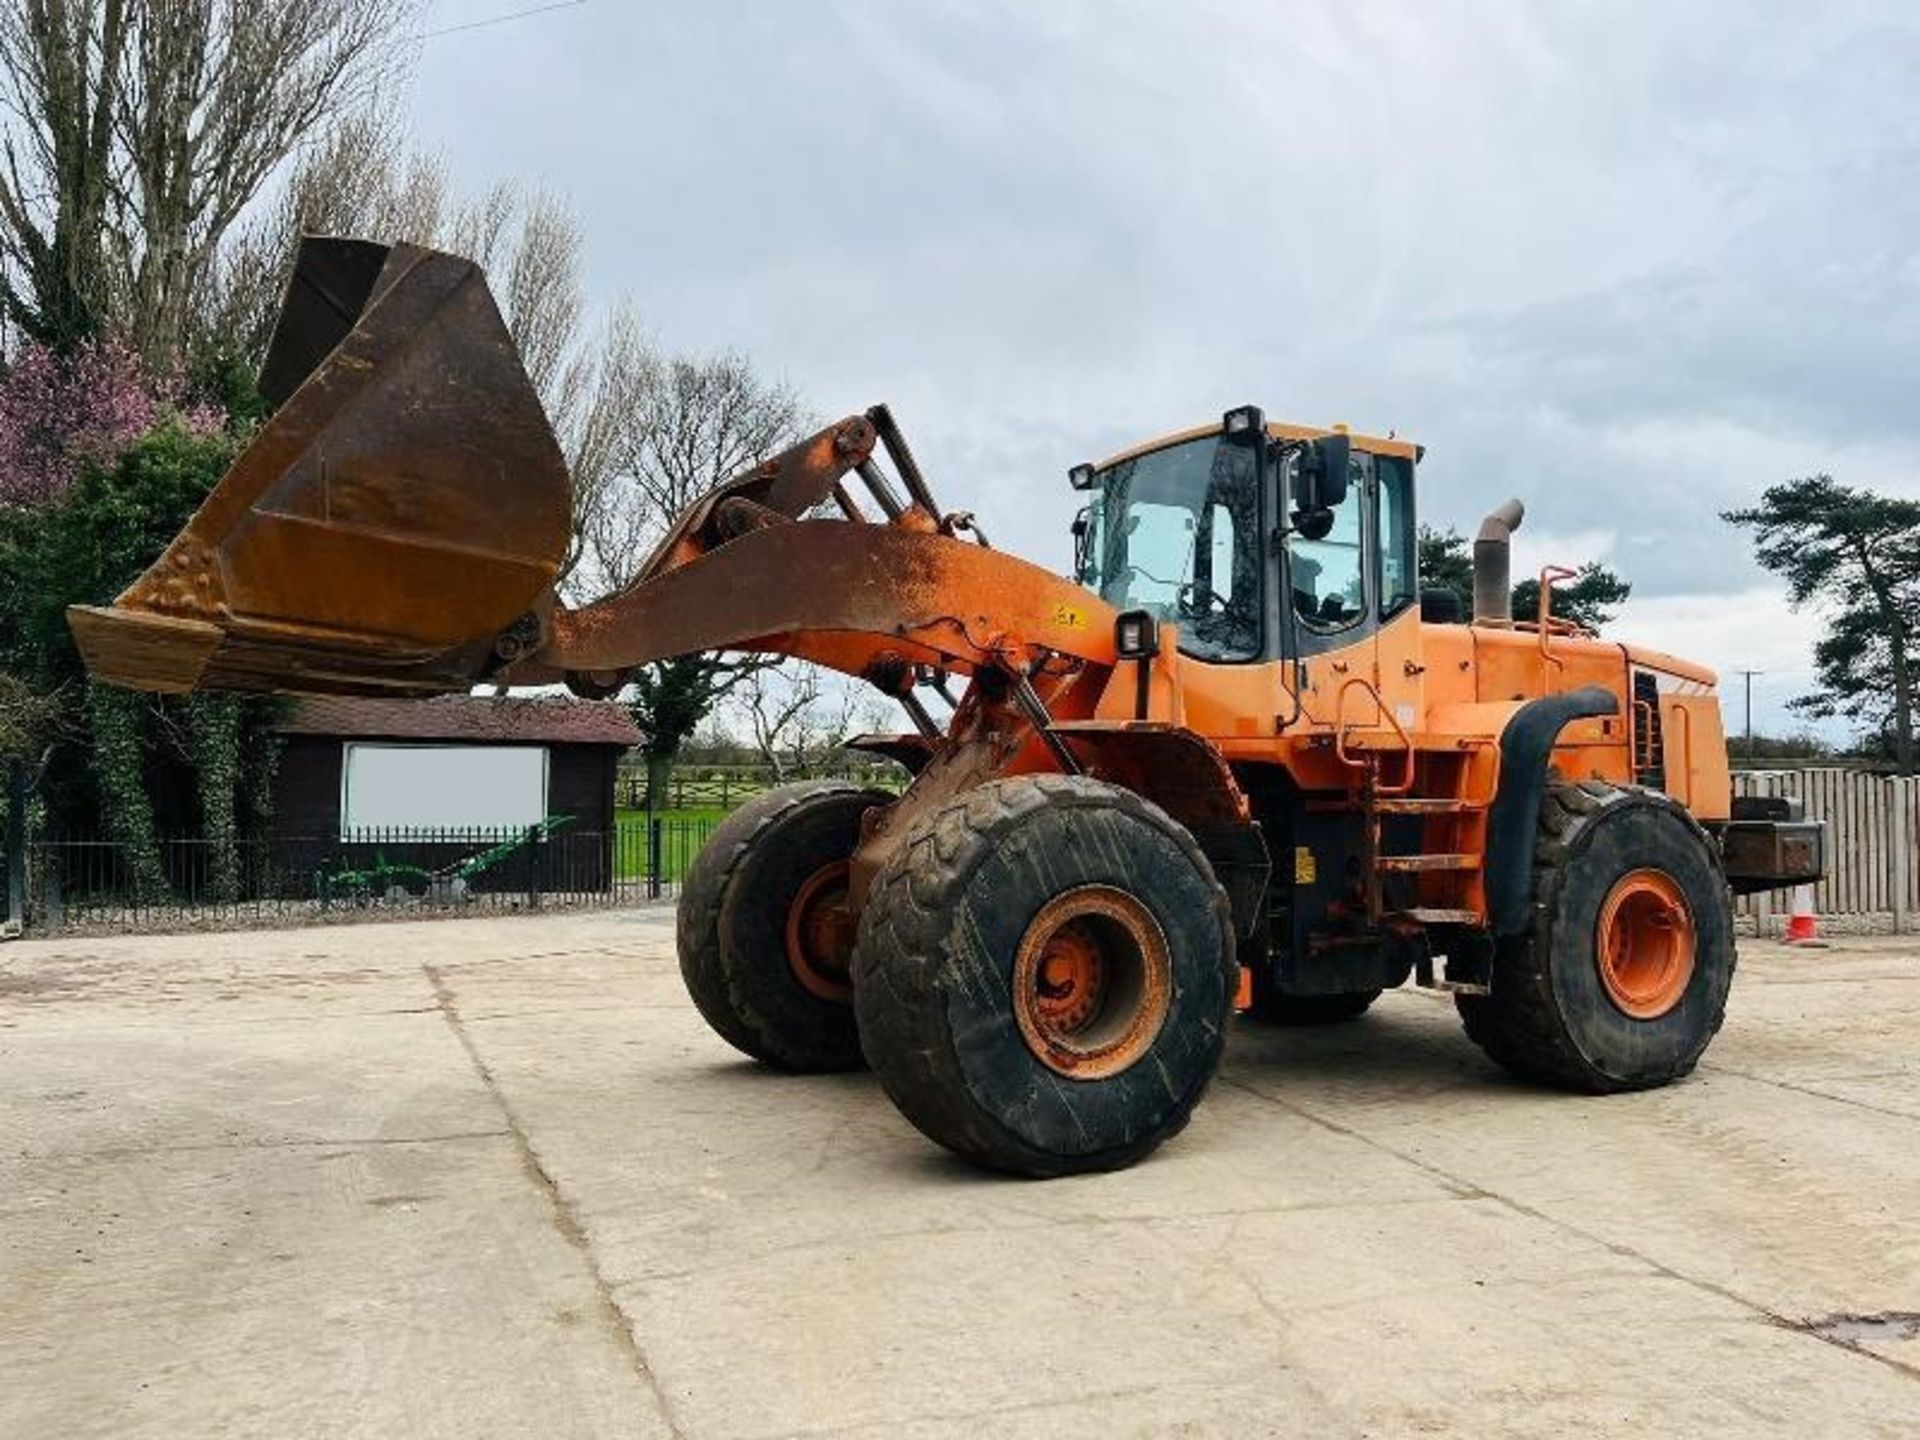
(1630,262)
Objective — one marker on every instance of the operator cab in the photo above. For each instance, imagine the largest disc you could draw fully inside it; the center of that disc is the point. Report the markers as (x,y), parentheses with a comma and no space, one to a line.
(1193,531)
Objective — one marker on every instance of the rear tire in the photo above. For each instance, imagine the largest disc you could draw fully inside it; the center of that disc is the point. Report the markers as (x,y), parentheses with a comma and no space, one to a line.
(776,991)
(1621,981)
(1044,975)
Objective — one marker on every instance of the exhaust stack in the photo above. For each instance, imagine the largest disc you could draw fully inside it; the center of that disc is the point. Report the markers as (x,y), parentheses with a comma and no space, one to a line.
(1493,563)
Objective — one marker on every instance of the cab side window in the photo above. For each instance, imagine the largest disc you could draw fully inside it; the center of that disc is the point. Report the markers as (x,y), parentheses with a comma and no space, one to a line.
(1393,514)
(1329,574)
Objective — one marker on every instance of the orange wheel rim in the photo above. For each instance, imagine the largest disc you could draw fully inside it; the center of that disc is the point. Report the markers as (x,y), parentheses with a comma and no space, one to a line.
(1645,944)
(1092,982)
(819,934)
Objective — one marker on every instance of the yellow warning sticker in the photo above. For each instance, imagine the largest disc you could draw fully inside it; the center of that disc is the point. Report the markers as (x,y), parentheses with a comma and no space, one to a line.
(1305,872)
(1070,617)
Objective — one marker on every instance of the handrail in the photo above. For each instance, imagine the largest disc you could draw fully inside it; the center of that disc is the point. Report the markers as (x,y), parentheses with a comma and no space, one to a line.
(1549,574)
(1681,713)
(1340,728)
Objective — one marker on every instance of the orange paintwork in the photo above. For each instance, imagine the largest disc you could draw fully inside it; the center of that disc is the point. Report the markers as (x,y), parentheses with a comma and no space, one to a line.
(1446,692)
(1428,700)
(843,595)
(1696,754)
(1092,982)
(819,936)
(1645,946)
(1443,684)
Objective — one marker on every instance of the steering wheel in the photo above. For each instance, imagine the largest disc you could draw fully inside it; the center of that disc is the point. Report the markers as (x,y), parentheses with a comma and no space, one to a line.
(1145,574)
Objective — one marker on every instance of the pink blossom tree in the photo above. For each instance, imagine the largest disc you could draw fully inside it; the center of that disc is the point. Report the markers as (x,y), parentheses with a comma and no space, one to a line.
(59,412)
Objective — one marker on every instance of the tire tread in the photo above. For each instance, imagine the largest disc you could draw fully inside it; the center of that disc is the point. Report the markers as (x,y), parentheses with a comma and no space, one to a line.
(704,896)
(901,948)
(1520,1024)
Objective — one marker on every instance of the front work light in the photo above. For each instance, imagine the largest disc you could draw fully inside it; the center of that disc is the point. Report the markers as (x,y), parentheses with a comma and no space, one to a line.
(1243,422)
(1081,477)
(1136,635)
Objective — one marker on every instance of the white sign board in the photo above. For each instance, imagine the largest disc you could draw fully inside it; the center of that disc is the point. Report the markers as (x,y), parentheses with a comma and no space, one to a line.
(442,787)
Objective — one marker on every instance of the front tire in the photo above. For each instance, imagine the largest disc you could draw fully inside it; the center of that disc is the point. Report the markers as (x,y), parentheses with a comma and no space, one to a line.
(1044,976)
(764,941)
(1621,981)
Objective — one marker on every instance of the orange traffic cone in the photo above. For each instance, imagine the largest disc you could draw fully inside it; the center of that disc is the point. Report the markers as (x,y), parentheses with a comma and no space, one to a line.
(1802,924)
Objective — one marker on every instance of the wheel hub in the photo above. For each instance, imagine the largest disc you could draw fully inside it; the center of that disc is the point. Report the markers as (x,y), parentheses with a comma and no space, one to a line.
(1072,978)
(1644,944)
(819,934)
(1092,982)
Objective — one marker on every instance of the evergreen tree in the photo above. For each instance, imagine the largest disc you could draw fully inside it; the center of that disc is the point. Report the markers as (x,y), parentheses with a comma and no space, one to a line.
(1855,556)
(1589,599)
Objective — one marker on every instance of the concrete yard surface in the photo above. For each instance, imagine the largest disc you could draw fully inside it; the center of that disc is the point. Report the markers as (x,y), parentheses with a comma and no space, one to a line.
(495,1178)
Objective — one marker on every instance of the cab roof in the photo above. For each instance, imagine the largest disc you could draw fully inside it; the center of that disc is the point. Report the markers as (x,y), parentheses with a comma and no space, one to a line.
(1276,430)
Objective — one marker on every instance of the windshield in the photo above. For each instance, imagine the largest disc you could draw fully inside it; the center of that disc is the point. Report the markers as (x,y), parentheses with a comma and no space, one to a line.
(1176,532)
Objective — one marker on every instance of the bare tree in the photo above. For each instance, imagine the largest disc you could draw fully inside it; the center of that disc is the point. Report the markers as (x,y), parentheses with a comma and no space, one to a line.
(356,178)
(794,717)
(602,398)
(694,423)
(62,68)
(139,131)
(688,425)
(221,92)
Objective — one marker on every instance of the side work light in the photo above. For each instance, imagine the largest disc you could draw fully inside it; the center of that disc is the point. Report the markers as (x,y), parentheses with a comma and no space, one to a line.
(1081,477)
(1136,635)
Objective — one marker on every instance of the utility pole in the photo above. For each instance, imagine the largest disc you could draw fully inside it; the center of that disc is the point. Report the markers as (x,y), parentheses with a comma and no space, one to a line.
(1748,675)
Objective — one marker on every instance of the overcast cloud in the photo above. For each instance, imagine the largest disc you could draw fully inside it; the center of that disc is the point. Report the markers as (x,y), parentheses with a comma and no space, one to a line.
(1631,263)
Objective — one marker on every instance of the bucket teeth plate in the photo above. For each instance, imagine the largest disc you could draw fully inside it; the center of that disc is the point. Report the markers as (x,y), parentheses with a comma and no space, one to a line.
(143,650)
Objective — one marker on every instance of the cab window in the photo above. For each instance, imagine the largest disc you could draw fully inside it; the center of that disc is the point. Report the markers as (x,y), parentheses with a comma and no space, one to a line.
(1393,513)
(1329,574)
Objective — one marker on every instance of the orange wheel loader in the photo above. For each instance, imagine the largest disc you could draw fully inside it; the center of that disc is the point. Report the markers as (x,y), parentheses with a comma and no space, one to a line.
(1236,761)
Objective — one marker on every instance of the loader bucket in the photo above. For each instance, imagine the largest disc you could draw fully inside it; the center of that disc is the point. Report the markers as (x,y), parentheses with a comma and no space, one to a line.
(391,529)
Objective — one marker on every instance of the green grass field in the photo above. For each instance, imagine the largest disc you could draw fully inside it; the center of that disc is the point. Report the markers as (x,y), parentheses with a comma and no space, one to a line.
(697,814)
(684,828)
(682,832)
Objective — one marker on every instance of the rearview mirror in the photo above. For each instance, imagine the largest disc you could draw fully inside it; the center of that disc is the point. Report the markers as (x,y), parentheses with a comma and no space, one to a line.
(1320,483)
(1336,457)
(1320,480)
(1313,524)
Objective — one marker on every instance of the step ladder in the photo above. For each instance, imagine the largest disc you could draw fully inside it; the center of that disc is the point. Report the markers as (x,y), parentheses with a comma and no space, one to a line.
(1448,785)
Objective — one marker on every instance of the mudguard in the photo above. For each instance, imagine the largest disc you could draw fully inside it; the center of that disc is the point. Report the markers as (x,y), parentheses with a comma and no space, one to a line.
(1525,747)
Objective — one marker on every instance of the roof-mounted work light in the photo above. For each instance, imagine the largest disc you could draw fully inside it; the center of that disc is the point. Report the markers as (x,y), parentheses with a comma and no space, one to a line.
(1081,477)
(1243,422)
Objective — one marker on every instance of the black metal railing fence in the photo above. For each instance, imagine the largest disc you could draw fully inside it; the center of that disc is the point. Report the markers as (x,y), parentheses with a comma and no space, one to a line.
(71,881)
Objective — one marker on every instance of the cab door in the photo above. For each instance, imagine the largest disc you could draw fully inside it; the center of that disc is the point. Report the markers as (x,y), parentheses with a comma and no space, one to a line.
(1331,583)
(1394,557)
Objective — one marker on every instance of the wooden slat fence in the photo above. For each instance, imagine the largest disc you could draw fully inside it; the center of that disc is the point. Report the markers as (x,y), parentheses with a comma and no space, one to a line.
(1873,847)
